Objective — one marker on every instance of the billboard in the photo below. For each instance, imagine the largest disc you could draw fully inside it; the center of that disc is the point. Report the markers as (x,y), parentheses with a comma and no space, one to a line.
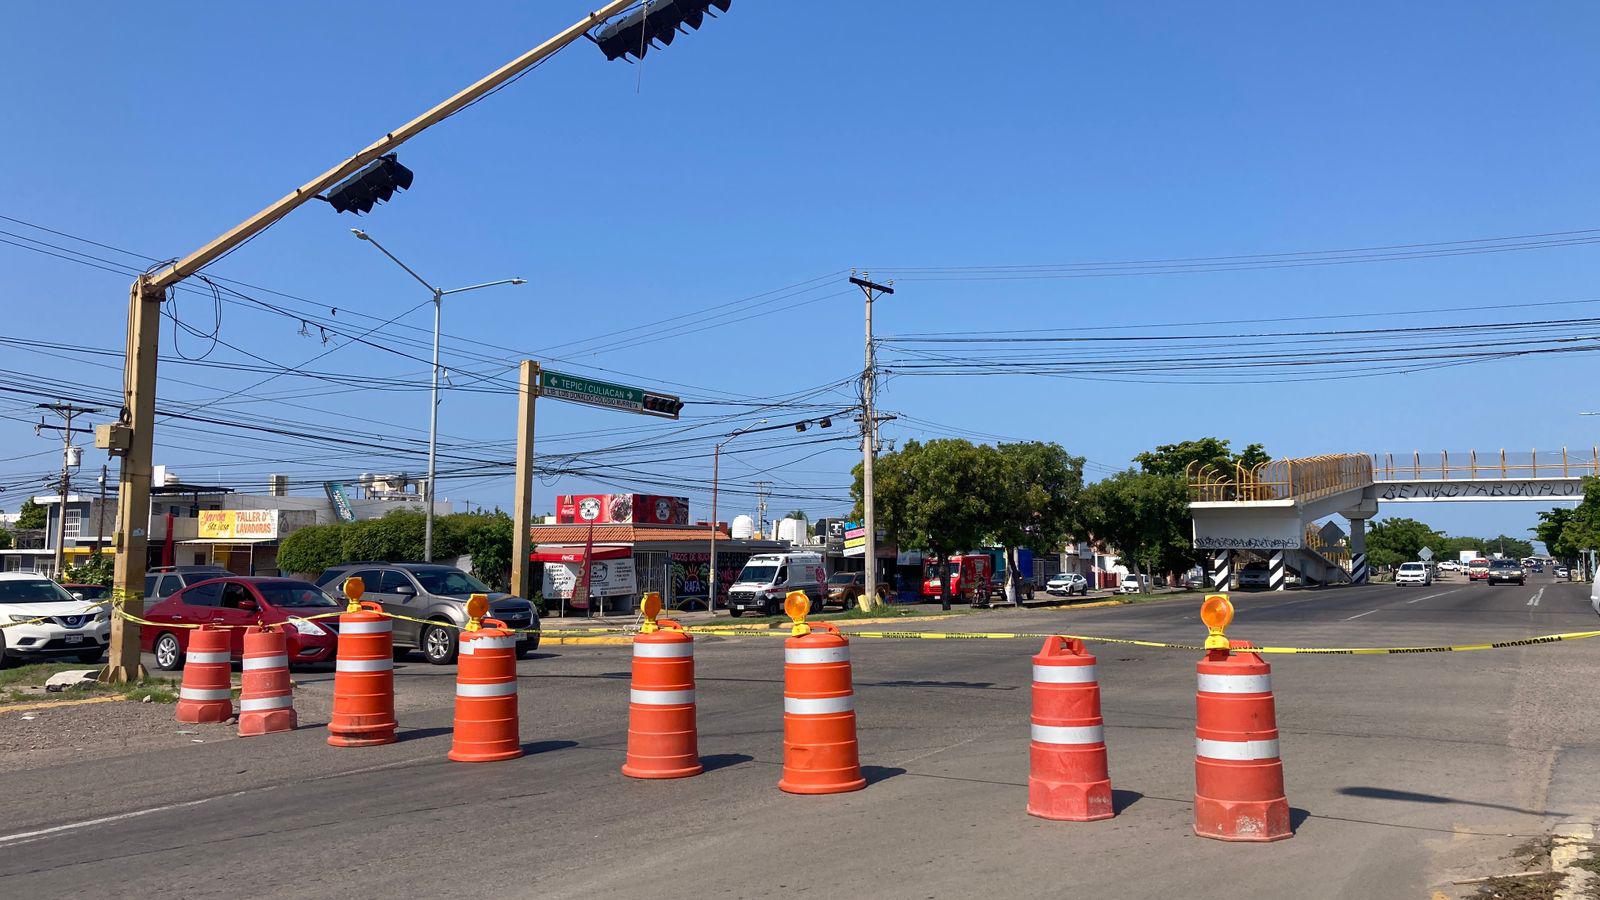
(621,509)
(607,578)
(221,524)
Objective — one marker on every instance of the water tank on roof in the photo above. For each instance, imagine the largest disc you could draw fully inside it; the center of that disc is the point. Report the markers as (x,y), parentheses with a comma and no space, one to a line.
(791,530)
(743,527)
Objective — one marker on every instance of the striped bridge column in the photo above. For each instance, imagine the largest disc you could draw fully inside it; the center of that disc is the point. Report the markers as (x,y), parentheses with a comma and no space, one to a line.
(1219,573)
(1276,572)
(1358,569)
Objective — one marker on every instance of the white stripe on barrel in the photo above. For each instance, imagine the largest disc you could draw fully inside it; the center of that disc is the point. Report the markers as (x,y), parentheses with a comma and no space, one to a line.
(663,651)
(1063,674)
(251,663)
(204,693)
(208,656)
(364,665)
(810,655)
(1236,750)
(1235,684)
(817,706)
(260,703)
(661,698)
(378,627)
(502,689)
(1069,734)
(509,642)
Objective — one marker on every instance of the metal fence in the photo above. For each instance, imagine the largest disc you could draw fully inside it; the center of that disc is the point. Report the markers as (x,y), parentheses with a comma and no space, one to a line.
(1471,464)
(1280,479)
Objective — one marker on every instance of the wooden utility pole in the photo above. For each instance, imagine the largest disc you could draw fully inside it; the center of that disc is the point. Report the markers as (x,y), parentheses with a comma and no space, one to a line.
(133,437)
(67,412)
(869,443)
(522,516)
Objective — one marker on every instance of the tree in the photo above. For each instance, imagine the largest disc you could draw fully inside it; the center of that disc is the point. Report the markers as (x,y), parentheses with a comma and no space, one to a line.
(487,538)
(933,495)
(1175,459)
(31,515)
(797,514)
(1144,515)
(311,549)
(6,539)
(1551,531)
(97,569)
(1391,542)
(1033,492)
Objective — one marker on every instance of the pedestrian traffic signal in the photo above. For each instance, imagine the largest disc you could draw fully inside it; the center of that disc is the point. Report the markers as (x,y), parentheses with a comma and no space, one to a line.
(635,33)
(664,405)
(377,180)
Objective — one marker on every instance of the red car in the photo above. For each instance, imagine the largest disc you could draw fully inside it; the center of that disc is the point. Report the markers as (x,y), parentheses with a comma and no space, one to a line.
(241,601)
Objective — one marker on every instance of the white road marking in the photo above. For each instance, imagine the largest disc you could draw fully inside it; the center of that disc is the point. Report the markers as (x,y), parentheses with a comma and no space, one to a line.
(25,836)
(1432,596)
(1359,615)
(1534,600)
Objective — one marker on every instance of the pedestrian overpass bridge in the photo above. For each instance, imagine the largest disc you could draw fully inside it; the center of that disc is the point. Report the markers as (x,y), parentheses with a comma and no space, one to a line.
(1271,509)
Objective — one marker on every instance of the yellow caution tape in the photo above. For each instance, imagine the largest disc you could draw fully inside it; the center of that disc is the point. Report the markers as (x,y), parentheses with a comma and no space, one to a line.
(38,619)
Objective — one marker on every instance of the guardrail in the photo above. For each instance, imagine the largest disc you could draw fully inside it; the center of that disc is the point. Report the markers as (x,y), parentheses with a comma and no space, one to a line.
(1469,465)
(1280,479)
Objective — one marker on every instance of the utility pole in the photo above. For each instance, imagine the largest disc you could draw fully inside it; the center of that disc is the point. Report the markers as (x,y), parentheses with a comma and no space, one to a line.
(132,437)
(869,441)
(761,507)
(522,516)
(67,412)
(100,525)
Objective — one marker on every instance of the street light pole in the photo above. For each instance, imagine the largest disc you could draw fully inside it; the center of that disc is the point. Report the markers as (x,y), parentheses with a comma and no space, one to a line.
(716,461)
(439,294)
(869,443)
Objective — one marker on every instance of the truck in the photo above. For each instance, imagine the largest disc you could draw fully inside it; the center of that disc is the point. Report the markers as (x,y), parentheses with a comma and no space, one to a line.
(768,578)
(969,577)
(1467,556)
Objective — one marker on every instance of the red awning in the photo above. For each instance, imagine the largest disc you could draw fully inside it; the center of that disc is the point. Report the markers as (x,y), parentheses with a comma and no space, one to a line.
(575,554)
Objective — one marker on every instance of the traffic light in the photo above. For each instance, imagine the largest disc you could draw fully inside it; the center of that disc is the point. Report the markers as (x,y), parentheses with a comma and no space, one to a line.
(661,20)
(377,180)
(664,405)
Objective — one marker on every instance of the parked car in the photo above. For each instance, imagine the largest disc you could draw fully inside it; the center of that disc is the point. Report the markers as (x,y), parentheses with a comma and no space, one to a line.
(1134,584)
(1507,571)
(436,594)
(1413,573)
(1066,584)
(239,601)
(69,627)
(1563,572)
(88,591)
(1254,574)
(1594,596)
(1194,581)
(164,581)
(844,589)
(1449,565)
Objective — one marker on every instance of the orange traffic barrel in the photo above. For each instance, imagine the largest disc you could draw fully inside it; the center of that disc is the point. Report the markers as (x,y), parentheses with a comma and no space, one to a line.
(486,727)
(266,704)
(1238,777)
(206,694)
(1067,777)
(820,755)
(363,679)
(662,739)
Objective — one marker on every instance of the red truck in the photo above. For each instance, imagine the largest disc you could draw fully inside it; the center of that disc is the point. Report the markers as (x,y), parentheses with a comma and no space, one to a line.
(969,577)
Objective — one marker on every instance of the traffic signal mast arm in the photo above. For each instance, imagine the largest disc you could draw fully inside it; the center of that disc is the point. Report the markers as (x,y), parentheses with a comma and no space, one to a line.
(259,222)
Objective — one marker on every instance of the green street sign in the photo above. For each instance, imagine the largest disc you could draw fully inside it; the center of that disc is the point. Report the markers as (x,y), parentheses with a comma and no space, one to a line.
(578,389)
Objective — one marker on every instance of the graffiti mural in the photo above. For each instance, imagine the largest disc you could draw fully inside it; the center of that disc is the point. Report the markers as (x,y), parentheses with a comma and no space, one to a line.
(1499,489)
(1245,543)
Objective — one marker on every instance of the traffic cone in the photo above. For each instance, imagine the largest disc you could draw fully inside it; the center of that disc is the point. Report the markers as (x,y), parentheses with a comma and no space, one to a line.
(266,704)
(363,678)
(1067,777)
(1238,777)
(819,719)
(486,728)
(206,694)
(662,740)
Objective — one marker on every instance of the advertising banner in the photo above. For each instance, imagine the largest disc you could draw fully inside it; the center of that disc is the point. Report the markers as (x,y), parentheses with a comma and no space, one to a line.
(340,501)
(621,509)
(855,539)
(220,524)
(607,578)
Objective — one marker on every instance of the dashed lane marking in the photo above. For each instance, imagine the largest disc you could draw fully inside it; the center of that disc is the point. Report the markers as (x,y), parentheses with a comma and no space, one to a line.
(1359,615)
(1534,600)
(1431,596)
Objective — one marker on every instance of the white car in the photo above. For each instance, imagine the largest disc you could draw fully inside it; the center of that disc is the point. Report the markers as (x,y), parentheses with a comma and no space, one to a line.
(1134,584)
(1066,584)
(66,626)
(1449,566)
(1594,596)
(1413,573)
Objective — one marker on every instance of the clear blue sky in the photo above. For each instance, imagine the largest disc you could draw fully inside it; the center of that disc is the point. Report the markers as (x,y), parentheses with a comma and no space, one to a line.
(785,142)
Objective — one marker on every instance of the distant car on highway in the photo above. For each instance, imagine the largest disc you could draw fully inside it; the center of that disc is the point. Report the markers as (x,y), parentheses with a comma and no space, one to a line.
(240,601)
(1134,584)
(1563,572)
(1506,571)
(1066,584)
(1478,569)
(1253,574)
(1413,573)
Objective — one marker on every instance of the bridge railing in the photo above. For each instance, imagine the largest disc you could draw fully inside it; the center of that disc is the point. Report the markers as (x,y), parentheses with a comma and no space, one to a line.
(1280,479)
(1472,465)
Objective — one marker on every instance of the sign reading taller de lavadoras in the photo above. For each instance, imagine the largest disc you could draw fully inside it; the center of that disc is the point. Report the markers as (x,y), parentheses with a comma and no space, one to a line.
(219,524)
(594,392)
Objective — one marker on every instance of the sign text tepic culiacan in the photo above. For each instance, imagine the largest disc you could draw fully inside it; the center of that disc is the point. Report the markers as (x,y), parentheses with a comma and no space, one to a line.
(578,389)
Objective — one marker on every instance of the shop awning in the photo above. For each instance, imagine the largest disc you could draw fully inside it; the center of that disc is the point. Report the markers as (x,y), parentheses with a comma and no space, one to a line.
(239,541)
(575,554)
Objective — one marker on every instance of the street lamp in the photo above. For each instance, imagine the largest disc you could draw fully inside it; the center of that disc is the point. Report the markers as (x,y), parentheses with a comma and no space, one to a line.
(716,459)
(433,407)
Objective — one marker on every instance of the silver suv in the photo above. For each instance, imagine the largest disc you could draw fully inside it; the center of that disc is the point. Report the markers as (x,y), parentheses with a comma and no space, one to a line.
(436,594)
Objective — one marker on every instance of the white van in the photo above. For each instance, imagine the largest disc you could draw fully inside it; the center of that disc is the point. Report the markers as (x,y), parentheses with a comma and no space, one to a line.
(768,577)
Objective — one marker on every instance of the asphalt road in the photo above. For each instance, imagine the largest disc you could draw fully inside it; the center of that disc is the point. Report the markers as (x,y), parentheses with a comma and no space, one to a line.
(1405,772)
